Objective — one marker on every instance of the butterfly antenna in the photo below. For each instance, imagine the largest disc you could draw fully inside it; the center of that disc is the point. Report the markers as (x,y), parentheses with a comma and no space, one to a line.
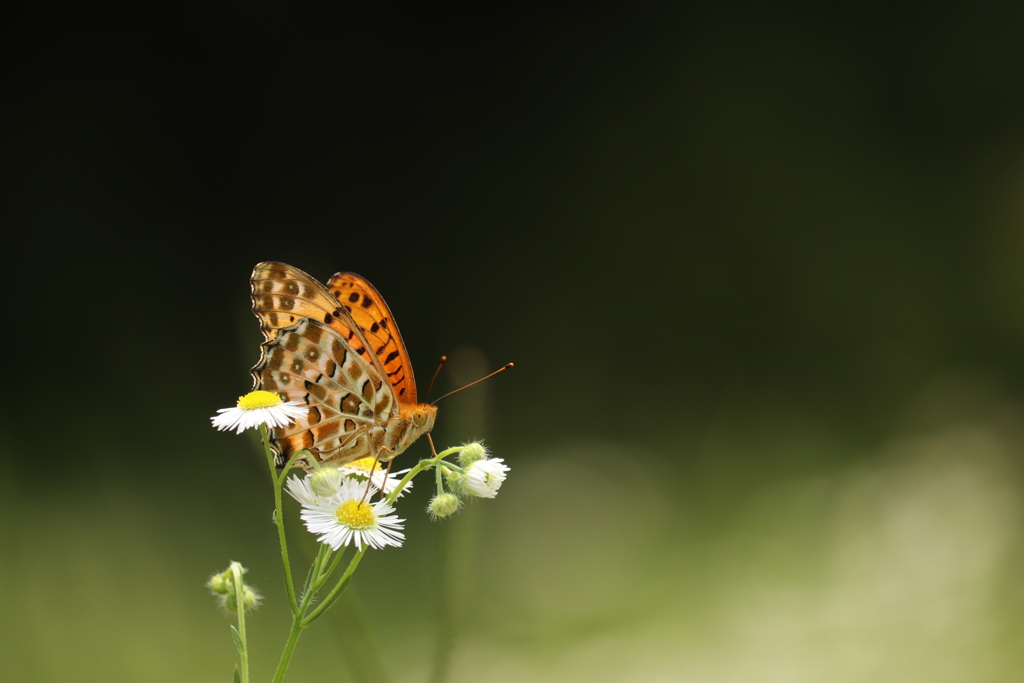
(444,359)
(510,365)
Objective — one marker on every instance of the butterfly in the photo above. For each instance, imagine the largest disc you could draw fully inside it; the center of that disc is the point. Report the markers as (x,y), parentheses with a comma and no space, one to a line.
(337,351)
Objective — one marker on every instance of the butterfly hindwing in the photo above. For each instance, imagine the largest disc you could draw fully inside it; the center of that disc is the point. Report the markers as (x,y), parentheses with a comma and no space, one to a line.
(310,362)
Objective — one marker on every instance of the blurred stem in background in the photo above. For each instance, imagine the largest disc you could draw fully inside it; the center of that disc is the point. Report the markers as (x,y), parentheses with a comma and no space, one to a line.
(363,652)
(465,420)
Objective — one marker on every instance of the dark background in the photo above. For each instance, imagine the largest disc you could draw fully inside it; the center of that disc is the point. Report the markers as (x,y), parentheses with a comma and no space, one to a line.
(758,268)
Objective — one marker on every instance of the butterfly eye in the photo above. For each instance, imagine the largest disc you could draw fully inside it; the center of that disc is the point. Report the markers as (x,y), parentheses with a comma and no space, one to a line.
(419,418)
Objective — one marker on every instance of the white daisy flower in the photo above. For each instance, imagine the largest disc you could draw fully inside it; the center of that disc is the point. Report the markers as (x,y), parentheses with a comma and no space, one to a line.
(315,486)
(301,489)
(483,478)
(361,469)
(346,519)
(256,408)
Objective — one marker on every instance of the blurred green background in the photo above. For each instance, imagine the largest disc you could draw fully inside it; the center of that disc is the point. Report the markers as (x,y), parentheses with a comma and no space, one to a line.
(759,270)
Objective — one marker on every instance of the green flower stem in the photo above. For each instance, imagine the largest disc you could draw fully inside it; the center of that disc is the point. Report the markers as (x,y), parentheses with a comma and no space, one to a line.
(330,570)
(316,572)
(310,575)
(243,649)
(325,564)
(308,593)
(337,590)
(316,577)
(289,649)
(279,519)
(420,466)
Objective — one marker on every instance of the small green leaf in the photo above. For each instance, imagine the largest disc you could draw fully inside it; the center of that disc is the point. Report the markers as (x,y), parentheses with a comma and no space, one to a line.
(238,676)
(238,640)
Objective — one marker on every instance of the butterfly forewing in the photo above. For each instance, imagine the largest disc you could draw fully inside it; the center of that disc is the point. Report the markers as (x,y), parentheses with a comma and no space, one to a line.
(282,295)
(311,363)
(369,311)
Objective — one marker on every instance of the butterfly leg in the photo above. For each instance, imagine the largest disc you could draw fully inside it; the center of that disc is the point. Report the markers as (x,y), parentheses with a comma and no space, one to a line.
(369,477)
(387,473)
(379,449)
(373,468)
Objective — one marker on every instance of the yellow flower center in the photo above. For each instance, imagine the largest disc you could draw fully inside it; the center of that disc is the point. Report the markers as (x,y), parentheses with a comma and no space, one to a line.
(367,464)
(258,399)
(356,515)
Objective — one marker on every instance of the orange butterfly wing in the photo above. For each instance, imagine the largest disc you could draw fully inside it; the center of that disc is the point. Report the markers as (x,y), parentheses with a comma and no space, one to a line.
(367,308)
(343,358)
(282,295)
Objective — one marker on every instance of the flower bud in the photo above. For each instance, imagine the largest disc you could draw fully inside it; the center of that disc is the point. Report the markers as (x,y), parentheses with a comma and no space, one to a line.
(326,481)
(471,453)
(223,586)
(250,599)
(443,504)
(221,583)
(455,478)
